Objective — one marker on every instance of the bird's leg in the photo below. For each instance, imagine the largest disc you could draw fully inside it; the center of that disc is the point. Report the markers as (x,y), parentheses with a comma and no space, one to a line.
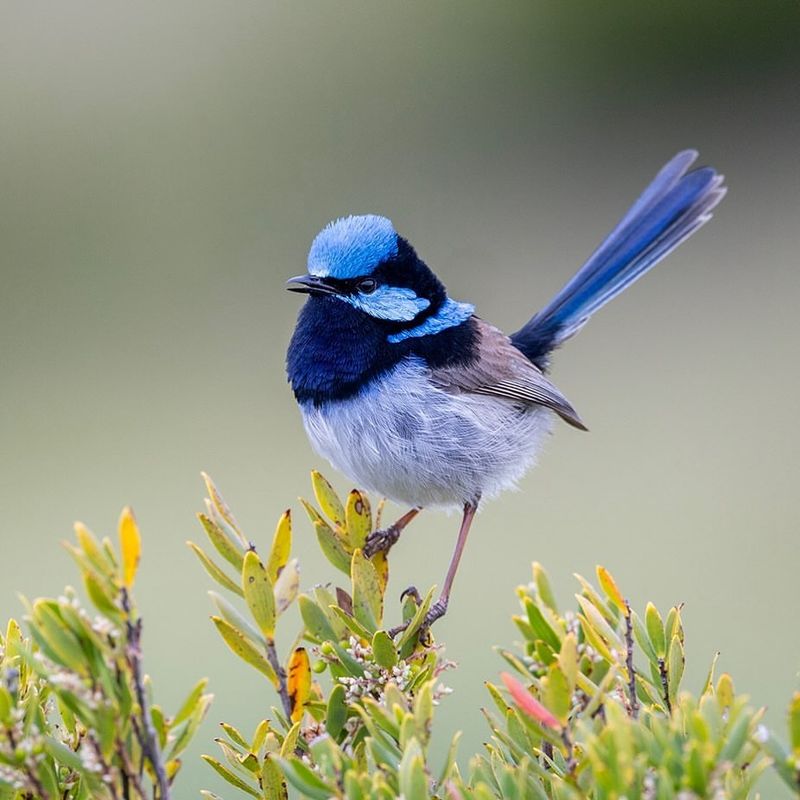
(439,608)
(382,541)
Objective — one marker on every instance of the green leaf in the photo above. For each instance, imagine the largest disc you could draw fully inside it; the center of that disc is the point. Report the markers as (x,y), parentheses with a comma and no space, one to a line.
(315,620)
(215,572)
(289,744)
(328,500)
(281,546)
(232,615)
(306,781)
(230,777)
(367,595)
(337,711)
(191,702)
(351,623)
(411,773)
(54,630)
(243,648)
(541,627)
(794,724)
(383,650)
(258,594)
(332,546)
(568,660)
(543,587)
(556,694)
(231,551)
(655,630)
(675,665)
(642,639)
(272,782)
(218,504)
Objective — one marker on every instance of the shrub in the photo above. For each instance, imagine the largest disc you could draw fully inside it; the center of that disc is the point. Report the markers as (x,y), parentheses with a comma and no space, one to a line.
(592,704)
(594,709)
(77,719)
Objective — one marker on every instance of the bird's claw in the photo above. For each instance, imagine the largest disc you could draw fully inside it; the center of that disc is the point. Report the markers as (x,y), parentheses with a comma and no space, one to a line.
(436,611)
(411,591)
(381,541)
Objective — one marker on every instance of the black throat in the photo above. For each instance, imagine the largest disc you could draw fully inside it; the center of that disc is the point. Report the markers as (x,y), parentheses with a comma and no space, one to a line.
(337,351)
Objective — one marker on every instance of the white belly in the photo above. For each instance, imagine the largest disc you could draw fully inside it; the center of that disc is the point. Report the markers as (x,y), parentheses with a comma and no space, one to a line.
(420,446)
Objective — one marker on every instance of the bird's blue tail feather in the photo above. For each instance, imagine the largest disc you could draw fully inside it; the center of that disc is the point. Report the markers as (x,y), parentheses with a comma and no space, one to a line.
(670,210)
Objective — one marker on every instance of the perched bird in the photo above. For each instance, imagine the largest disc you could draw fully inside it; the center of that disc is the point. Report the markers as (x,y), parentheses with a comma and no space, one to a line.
(412,395)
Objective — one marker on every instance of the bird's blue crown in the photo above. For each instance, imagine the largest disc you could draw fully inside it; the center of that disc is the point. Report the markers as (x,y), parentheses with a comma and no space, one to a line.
(350,247)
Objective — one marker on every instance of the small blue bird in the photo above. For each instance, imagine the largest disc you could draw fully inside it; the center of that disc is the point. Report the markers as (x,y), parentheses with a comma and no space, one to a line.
(413,396)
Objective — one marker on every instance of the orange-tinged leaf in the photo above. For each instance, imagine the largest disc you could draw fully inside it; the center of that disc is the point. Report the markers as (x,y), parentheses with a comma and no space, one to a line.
(130,546)
(299,682)
(609,586)
(528,703)
(281,546)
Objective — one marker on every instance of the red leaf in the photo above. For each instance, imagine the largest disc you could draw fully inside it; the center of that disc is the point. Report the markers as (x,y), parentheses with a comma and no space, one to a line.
(528,703)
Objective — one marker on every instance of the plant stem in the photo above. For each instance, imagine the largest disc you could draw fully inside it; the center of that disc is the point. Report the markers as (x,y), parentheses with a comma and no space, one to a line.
(662,670)
(283,689)
(629,661)
(148,738)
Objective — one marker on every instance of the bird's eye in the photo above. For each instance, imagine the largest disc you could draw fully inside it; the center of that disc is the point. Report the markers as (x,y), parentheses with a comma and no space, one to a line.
(367,286)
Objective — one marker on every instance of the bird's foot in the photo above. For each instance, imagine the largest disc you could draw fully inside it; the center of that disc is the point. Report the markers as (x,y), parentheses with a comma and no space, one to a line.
(381,541)
(436,611)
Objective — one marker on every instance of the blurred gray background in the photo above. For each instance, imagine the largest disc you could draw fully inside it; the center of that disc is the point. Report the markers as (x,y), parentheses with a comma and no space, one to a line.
(163,168)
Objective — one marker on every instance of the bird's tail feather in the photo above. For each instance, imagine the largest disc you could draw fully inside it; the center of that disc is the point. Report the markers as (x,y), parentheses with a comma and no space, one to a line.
(669,210)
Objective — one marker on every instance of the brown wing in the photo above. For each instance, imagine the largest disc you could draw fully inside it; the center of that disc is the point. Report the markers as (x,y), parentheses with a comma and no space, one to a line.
(503,371)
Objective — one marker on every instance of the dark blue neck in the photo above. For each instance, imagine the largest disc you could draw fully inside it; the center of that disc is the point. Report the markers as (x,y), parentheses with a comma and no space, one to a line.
(337,351)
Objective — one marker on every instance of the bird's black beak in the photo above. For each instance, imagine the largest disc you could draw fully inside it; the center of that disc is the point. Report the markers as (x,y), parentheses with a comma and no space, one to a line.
(310,284)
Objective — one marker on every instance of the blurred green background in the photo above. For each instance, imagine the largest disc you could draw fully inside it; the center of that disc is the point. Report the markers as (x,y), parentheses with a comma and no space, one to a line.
(163,168)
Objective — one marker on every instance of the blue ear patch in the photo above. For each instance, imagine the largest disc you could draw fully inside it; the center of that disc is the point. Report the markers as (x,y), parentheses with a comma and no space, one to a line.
(352,246)
(389,302)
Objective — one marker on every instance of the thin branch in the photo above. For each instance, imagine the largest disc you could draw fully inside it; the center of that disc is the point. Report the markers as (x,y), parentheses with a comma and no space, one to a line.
(662,670)
(149,739)
(629,661)
(283,687)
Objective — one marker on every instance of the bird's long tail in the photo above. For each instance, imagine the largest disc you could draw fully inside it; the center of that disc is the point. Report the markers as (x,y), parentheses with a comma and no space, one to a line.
(669,210)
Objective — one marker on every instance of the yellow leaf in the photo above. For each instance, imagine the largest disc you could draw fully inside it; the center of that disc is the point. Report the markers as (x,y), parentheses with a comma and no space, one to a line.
(725,691)
(243,648)
(609,586)
(568,660)
(281,546)
(359,519)
(258,593)
(299,682)
(328,500)
(381,563)
(93,551)
(130,545)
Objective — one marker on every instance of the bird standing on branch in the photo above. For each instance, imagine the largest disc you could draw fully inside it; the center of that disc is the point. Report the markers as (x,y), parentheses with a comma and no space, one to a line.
(410,394)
